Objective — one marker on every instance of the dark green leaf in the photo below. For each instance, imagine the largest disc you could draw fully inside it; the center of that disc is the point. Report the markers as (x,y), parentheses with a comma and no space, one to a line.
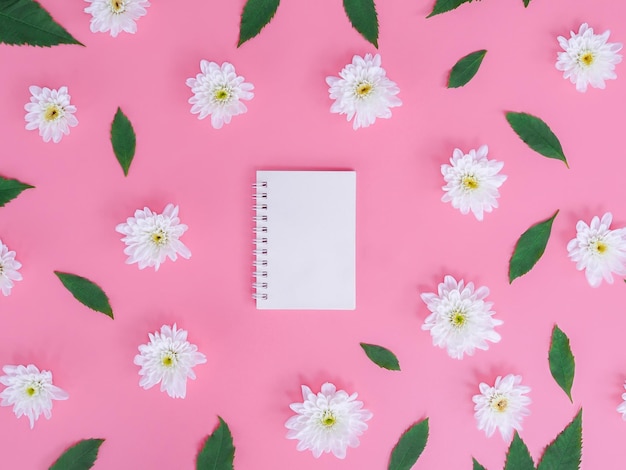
(255,16)
(218,451)
(476,465)
(564,452)
(10,189)
(529,248)
(409,447)
(446,5)
(465,69)
(86,292)
(362,15)
(518,457)
(561,361)
(80,456)
(27,22)
(123,140)
(537,135)
(526,3)
(380,356)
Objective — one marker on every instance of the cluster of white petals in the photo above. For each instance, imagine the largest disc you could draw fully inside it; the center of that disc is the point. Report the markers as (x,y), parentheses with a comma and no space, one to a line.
(9,267)
(115,15)
(50,111)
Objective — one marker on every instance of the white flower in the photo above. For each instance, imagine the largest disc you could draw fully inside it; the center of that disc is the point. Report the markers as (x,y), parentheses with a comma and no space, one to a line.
(115,15)
(502,406)
(363,91)
(472,181)
(622,407)
(598,250)
(330,421)
(218,91)
(29,391)
(8,269)
(152,237)
(168,358)
(588,58)
(50,111)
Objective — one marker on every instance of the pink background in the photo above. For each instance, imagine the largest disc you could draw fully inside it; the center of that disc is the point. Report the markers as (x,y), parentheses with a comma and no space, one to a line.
(407,239)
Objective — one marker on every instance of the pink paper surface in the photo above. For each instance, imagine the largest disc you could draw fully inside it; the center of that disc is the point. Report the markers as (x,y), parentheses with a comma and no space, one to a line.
(407,239)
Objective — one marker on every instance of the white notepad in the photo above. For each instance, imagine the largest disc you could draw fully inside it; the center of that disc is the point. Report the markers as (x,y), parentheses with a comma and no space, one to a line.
(305,240)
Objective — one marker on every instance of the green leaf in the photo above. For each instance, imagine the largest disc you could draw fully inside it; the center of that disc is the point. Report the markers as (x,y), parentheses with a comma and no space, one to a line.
(526,3)
(380,356)
(465,69)
(409,447)
(537,135)
(86,292)
(564,452)
(363,17)
(218,451)
(476,465)
(123,140)
(561,361)
(27,22)
(10,189)
(529,248)
(443,6)
(255,16)
(518,457)
(80,456)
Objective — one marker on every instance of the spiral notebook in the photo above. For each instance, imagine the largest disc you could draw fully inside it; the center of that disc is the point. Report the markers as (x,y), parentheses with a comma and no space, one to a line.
(305,240)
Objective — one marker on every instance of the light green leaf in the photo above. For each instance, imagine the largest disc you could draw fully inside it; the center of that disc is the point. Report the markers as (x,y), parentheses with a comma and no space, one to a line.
(10,189)
(86,292)
(561,359)
(363,17)
(380,356)
(123,140)
(465,69)
(443,6)
(218,451)
(476,465)
(409,447)
(27,22)
(255,16)
(564,453)
(518,457)
(529,248)
(537,135)
(80,456)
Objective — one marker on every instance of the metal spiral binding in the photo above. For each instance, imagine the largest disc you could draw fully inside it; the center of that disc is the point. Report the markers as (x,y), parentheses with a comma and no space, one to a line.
(260,241)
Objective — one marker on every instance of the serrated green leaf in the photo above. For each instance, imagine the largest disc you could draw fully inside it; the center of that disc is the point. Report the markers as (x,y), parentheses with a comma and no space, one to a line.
(409,447)
(380,356)
(255,16)
(218,451)
(526,3)
(529,248)
(27,22)
(363,17)
(465,69)
(564,453)
(518,457)
(537,135)
(80,456)
(561,359)
(476,465)
(86,292)
(442,6)
(10,189)
(123,140)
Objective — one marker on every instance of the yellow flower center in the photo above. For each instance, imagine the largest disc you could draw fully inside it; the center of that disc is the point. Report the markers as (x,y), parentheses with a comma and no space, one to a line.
(52,113)
(470,182)
(587,58)
(118,6)
(168,359)
(600,247)
(159,238)
(222,94)
(363,89)
(328,419)
(499,403)
(458,318)
(31,391)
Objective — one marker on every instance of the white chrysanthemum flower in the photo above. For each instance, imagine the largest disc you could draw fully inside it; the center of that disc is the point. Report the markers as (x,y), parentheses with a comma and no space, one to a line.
(472,181)
(8,269)
(152,237)
(115,15)
(218,92)
(461,321)
(363,91)
(169,359)
(330,421)
(29,391)
(588,59)
(598,250)
(50,111)
(622,407)
(502,406)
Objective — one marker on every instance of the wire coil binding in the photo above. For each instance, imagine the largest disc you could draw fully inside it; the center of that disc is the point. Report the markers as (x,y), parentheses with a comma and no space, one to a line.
(260,240)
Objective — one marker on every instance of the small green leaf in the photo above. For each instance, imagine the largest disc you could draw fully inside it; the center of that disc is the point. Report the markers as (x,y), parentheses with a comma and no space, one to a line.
(564,452)
(363,17)
(529,248)
(526,3)
(409,447)
(86,292)
(476,465)
(443,6)
(465,69)
(561,359)
(10,189)
(27,22)
(537,135)
(255,16)
(518,457)
(218,451)
(123,140)
(380,356)
(80,456)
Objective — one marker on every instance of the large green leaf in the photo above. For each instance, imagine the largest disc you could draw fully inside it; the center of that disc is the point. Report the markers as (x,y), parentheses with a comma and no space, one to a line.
(380,356)
(465,69)
(27,22)
(409,447)
(442,6)
(537,135)
(561,359)
(362,15)
(518,457)
(564,453)
(255,16)
(80,456)
(86,292)
(476,465)
(123,140)
(10,189)
(218,451)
